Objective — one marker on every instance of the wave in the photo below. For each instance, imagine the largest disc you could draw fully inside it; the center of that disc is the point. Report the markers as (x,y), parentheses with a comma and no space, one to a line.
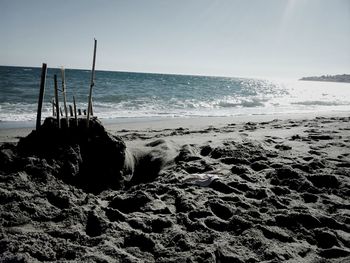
(321,103)
(174,108)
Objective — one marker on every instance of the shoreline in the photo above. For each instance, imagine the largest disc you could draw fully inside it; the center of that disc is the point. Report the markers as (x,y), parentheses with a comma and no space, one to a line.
(8,133)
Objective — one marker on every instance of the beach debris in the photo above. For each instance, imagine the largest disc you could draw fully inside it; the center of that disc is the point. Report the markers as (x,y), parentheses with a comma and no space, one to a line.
(201,179)
(56,109)
(64,95)
(70,110)
(53,107)
(89,109)
(56,102)
(75,111)
(41,94)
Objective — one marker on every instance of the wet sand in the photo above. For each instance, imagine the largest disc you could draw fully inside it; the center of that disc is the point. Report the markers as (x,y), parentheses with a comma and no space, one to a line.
(213,190)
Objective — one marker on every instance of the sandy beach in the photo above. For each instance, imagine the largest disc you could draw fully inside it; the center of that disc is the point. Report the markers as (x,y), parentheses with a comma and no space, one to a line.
(267,189)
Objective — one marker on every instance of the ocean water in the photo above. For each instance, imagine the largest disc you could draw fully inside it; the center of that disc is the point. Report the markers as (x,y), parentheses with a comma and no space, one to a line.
(143,95)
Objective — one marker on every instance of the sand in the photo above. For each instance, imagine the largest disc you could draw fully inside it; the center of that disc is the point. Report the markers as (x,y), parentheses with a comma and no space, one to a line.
(264,189)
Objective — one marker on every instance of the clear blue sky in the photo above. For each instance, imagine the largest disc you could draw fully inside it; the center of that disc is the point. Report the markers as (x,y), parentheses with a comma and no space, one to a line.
(272,38)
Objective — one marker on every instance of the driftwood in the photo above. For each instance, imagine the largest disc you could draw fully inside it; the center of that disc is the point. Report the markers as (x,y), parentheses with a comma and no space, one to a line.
(56,102)
(89,109)
(64,95)
(70,110)
(41,95)
(53,107)
(75,111)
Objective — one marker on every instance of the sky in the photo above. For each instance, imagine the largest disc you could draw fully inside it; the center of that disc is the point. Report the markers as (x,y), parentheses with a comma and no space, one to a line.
(243,38)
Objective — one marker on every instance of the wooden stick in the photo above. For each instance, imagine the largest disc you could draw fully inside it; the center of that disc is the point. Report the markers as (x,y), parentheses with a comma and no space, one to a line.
(41,95)
(75,111)
(70,110)
(61,111)
(64,95)
(89,109)
(56,102)
(53,107)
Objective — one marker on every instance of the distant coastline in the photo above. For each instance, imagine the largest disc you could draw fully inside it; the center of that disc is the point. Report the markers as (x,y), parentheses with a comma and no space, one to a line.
(331,78)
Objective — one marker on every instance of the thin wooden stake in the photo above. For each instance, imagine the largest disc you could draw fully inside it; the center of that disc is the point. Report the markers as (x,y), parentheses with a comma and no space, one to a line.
(89,109)
(53,107)
(61,111)
(41,95)
(70,110)
(64,95)
(75,111)
(56,102)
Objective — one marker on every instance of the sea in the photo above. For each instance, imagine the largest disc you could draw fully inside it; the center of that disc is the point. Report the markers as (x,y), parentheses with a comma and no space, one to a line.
(128,95)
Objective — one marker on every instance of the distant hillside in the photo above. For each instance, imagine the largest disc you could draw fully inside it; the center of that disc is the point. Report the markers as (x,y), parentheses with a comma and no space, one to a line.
(334,78)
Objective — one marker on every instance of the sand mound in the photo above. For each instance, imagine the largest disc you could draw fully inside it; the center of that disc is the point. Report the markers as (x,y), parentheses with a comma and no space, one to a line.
(88,158)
